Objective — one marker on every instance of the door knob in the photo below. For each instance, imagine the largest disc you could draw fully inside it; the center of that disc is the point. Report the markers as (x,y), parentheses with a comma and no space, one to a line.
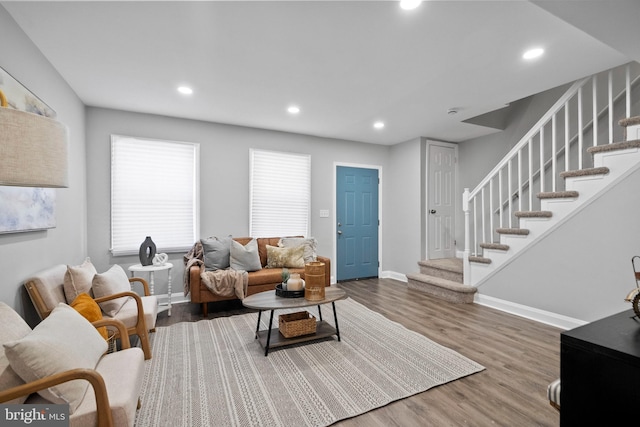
(339,231)
(432,211)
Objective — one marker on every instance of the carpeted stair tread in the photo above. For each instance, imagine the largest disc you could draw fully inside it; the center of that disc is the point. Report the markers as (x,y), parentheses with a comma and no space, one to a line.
(453,265)
(533,214)
(480,260)
(585,172)
(444,268)
(629,121)
(614,147)
(513,231)
(558,194)
(496,246)
(441,283)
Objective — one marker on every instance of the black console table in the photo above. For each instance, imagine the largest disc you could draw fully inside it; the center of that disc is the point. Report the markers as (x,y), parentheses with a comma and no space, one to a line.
(600,371)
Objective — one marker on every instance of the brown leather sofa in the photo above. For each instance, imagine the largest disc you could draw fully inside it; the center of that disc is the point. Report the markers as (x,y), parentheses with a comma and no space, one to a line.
(262,280)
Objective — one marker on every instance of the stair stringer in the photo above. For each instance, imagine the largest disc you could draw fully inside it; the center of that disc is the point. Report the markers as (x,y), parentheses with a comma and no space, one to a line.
(621,163)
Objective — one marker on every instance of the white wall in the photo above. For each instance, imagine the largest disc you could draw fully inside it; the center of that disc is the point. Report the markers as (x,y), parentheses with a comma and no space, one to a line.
(224,180)
(22,254)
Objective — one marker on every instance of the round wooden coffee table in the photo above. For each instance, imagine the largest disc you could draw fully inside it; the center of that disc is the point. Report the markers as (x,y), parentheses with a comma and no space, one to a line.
(267,300)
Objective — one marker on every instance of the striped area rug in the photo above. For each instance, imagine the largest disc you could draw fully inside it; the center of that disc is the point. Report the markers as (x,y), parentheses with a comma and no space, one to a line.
(214,373)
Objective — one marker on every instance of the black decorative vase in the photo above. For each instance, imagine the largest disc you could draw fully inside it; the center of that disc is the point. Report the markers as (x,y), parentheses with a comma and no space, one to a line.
(147,251)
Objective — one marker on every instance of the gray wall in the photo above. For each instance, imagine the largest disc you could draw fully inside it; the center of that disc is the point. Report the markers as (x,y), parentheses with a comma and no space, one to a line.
(478,156)
(83,213)
(582,269)
(402,220)
(22,254)
(224,180)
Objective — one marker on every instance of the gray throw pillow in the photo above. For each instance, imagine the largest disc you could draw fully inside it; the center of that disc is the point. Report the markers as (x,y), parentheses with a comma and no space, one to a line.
(245,257)
(216,252)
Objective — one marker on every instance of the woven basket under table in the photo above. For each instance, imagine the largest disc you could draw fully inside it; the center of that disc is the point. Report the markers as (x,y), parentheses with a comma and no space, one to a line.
(297,324)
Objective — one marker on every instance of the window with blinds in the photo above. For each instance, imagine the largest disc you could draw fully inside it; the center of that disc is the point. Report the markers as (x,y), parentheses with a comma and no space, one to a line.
(154,192)
(280,195)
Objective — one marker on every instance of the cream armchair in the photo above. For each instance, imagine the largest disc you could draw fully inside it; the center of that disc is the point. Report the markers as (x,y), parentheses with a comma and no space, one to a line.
(43,366)
(139,313)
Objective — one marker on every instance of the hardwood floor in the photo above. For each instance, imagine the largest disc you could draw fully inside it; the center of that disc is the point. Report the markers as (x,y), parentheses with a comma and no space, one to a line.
(521,358)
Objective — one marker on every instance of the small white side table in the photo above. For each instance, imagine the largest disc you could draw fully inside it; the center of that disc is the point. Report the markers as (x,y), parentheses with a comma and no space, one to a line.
(139,268)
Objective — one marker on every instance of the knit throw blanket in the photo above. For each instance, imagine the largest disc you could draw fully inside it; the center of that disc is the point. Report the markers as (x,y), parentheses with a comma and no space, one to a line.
(226,283)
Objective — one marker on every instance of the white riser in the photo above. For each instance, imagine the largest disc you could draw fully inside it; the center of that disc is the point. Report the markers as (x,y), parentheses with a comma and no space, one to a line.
(480,271)
(619,161)
(587,186)
(536,226)
(497,256)
(560,207)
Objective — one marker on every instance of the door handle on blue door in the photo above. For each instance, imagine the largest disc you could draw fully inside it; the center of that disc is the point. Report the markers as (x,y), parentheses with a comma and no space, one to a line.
(339,231)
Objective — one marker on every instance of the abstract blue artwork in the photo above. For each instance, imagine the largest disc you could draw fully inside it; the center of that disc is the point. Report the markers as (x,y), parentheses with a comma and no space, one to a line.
(27,209)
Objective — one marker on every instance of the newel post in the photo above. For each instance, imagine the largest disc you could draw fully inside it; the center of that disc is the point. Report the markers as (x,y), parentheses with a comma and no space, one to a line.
(466,271)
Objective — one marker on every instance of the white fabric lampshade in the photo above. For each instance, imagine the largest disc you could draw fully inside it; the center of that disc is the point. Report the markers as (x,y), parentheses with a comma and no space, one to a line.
(33,150)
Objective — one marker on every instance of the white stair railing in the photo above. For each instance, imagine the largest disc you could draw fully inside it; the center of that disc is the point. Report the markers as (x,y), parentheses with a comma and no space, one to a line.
(537,158)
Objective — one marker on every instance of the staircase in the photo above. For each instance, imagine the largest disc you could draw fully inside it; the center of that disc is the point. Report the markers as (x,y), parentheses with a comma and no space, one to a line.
(566,160)
(442,278)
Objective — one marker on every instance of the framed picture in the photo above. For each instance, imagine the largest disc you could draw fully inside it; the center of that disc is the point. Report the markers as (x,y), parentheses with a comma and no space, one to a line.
(20,98)
(25,208)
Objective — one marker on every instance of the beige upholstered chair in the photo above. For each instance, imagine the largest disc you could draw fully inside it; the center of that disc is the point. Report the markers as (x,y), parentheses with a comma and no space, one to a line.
(43,366)
(138,314)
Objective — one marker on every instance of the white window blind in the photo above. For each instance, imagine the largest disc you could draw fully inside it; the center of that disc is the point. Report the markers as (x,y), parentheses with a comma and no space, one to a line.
(154,192)
(280,194)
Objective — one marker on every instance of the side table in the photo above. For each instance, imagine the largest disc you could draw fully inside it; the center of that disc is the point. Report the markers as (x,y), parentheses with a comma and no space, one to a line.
(139,268)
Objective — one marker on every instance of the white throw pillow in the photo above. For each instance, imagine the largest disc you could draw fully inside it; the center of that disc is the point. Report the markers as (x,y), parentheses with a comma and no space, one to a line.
(13,328)
(64,340)
(77,280)
(245,257)
(112,281)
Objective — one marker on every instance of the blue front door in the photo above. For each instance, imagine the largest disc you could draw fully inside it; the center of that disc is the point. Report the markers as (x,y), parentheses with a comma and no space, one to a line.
(357,223)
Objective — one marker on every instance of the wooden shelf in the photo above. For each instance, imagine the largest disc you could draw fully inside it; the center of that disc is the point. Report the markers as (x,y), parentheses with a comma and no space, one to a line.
(323,330)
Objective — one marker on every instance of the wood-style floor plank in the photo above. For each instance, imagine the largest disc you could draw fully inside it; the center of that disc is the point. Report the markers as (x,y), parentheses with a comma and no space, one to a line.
(521,358)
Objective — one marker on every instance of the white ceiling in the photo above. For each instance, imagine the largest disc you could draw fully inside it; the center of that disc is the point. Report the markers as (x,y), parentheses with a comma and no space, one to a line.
(346,64)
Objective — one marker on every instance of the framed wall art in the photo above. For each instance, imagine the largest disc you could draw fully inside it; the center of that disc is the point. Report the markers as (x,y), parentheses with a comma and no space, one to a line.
(25,208)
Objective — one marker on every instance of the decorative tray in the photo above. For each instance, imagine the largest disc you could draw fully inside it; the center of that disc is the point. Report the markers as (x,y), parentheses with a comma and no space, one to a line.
(288,294)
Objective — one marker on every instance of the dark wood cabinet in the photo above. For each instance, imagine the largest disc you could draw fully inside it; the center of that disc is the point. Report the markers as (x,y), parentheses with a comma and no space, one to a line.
(600,371)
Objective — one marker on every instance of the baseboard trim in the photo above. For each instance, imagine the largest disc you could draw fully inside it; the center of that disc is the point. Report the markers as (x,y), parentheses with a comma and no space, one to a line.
(393,275)
(176,298)
(532,313)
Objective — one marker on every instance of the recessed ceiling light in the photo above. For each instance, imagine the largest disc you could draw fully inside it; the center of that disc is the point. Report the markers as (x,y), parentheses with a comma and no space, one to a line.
(378,125)
(533,53)
(294,109)
(185,90)
(409,4)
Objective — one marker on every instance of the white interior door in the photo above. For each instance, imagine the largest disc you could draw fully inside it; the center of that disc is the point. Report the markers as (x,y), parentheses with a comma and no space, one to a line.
(441,189)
